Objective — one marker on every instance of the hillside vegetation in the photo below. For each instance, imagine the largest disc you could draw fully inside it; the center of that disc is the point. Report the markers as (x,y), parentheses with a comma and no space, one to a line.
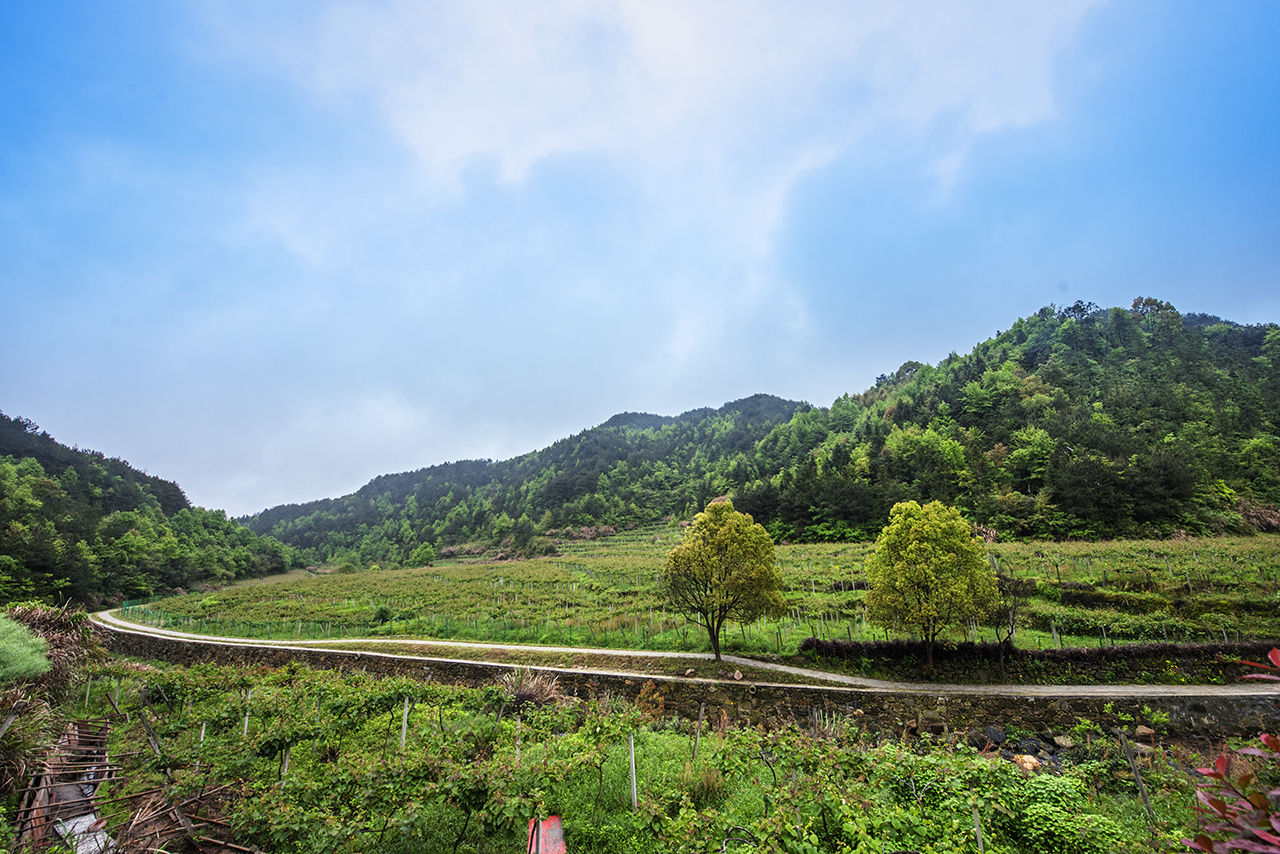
(633,469)
(1079,423)
(76,525)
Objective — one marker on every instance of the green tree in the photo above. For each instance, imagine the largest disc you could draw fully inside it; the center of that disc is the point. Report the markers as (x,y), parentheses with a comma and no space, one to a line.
(423,555)
(928,573)
(723,570)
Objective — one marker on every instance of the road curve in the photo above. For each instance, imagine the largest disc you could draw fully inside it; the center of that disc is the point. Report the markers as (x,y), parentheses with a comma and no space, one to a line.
(110,620)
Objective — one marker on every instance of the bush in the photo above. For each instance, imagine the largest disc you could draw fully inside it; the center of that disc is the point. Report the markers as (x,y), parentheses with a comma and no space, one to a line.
(69,637)
(1052,817)
(22,654)
(525,687)
(704,785)
(1238,799)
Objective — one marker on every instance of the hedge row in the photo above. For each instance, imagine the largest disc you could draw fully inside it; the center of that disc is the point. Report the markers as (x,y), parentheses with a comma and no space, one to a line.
(1142,662)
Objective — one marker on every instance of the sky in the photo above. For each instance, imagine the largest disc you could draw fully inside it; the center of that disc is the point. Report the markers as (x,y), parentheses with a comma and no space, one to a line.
(273,250)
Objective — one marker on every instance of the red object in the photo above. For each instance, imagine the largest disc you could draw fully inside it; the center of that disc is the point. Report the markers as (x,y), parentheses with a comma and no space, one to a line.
(545,836)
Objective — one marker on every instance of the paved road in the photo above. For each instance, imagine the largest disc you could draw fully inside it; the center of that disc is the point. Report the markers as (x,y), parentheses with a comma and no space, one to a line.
(1243,689)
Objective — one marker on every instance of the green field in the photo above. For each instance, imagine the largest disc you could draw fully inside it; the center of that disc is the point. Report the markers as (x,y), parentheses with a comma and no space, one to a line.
(603,593)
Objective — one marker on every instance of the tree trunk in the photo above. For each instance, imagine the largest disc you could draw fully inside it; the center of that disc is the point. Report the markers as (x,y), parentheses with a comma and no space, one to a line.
(714,633)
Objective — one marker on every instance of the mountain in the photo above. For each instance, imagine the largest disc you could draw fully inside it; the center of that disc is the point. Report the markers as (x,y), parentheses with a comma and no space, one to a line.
(1077,422)
(77,525)
(633,468)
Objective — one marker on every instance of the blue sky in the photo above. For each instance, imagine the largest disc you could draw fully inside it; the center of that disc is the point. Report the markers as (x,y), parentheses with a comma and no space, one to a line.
(272,250)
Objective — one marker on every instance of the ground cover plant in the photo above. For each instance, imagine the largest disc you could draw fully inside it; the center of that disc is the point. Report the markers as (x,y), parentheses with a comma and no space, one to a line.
(605,593)
(343,762)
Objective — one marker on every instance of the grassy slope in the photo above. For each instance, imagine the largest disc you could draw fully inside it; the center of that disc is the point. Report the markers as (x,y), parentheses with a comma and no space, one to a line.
(604,593)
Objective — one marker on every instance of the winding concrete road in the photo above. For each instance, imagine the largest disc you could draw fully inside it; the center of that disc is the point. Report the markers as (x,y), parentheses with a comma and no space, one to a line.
(109,619)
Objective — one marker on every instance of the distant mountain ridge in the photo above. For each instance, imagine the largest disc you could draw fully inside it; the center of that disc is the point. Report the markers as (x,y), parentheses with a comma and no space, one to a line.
(658,465)
(1076,422)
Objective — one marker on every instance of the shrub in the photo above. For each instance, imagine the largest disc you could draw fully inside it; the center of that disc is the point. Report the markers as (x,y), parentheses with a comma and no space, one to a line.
(1052,818)
(22,654)
(69,636)
(1238,800)
(704,785)
(527,687)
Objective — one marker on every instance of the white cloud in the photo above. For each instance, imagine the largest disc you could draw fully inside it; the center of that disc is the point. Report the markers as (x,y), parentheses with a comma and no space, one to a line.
(437,195)
(719,101)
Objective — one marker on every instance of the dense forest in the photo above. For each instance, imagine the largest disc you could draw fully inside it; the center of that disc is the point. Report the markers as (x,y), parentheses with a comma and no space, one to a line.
(1075,423)
(76,525)
(1078,422)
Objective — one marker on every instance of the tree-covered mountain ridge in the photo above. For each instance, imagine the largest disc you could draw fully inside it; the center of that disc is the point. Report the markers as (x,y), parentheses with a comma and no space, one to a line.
(80,526)
(1077,422)
(633,469)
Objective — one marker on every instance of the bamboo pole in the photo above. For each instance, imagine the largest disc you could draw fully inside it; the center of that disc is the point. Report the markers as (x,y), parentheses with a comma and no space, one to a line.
(631,750)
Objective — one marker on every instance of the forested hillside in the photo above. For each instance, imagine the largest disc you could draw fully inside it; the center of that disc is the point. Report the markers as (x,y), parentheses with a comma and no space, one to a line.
(1075,423)
(77,525)
(634,468)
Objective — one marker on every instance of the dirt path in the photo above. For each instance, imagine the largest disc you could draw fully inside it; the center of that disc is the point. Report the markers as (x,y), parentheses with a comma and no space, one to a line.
(1130,691)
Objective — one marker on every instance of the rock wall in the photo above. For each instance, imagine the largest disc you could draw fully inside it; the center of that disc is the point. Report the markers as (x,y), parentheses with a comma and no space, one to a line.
(1043,710)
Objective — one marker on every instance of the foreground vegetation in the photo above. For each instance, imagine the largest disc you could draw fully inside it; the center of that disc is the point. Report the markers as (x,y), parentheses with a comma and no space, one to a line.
(293,759)
(605,593)
(319,766)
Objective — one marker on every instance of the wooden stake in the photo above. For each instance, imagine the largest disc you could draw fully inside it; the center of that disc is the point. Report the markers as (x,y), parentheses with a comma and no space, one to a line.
(404,723)
(13,714)
(697,737)
(1137,776)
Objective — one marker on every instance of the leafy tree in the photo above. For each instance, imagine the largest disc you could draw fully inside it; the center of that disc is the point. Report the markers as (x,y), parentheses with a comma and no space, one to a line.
(928,573)
(103,531)
(423,555)
(724,569)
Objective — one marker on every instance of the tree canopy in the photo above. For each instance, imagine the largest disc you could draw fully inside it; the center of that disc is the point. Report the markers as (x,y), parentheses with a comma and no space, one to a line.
(928,573)
(77,526)
(723,570)
(1079,422)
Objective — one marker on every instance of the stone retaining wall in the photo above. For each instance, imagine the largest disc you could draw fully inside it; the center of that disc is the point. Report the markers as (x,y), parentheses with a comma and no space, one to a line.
(1206,715)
